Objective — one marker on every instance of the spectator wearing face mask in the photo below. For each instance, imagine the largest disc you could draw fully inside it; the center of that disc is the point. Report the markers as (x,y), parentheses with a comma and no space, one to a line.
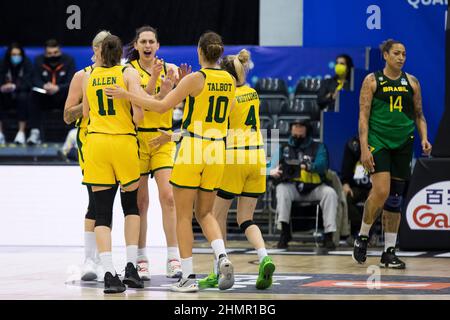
(177,117)
(52,74)
(16,72)
(330,88)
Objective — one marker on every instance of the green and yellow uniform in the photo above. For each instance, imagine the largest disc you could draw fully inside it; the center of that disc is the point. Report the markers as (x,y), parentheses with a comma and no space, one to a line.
(245,166)
(162,157)
(81,124)
(391,125)
(111,153)
(200,160)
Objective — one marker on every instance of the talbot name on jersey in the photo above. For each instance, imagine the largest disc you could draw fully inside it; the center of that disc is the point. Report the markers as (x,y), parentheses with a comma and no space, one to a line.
(105,81)
(219,86)
(395,89)
(247,97)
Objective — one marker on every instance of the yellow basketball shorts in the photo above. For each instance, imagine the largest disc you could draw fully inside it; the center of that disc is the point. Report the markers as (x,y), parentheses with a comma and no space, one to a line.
(111,159)
(199,164)
(81,143)
(244,173)
(154,159)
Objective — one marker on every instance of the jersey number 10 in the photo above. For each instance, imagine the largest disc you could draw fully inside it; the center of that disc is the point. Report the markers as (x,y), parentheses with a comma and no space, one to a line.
(396,105)
(215,109)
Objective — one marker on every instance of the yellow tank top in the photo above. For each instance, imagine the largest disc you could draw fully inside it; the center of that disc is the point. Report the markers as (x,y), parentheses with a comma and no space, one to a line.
(244,125)
(206,115)
(110,116)
(83,122)
(153,120)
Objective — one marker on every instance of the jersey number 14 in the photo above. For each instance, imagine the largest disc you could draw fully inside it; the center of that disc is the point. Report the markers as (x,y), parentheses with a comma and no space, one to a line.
(397,104)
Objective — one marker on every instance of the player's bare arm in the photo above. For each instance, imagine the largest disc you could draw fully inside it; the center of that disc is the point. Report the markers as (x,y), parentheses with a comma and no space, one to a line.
(73,109)
(190,85)
(421,122)
(365,104)
(85,100)
(133,83)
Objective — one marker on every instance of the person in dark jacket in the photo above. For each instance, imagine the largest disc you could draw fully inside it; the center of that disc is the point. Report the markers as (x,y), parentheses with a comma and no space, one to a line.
(355,182)
(16,72)
(53,72)
(305,185)
(330,88)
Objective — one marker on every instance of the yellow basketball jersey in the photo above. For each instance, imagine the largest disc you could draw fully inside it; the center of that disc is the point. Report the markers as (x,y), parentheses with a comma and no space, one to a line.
(206,115)
(111,116)
(83,122)
(244,125)
(153,120)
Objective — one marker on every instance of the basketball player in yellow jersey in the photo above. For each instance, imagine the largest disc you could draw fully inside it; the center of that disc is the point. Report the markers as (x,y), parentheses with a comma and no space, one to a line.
(244,174)
(111,156)
(73,111)
(157,162)
(198,169)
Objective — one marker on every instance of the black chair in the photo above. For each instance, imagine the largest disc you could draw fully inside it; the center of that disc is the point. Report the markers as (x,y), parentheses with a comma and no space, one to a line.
(273,94)
(305,107)
(297,212)
(283,124)
(308,87)
(316,130)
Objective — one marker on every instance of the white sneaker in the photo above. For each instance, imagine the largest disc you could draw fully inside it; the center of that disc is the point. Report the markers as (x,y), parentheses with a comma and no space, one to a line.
(226,273)
(142,268)
(173,269)
(35,137)
(185,285)
(2,138)
(20,138)
(100,273)
(89,272)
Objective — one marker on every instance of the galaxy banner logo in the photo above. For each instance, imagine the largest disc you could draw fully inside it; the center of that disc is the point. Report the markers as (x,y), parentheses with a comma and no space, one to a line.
(429,208)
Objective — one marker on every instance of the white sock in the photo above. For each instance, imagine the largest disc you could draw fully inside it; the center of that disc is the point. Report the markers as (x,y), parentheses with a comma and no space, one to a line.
(90,245)
(187,267)
(216,267)
(107,263)
(262,253)
(142,253)
(365,229)
(390,240)
(219,247)
(132,253)
(172,253)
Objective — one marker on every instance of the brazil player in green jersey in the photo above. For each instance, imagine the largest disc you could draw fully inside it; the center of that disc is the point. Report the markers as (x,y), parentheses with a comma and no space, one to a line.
(390,109)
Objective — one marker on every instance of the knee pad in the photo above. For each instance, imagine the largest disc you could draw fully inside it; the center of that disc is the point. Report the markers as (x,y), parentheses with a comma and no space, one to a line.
(244,225)
(225,195)
(90,214)
(103,202)
(129,203)
(395,199)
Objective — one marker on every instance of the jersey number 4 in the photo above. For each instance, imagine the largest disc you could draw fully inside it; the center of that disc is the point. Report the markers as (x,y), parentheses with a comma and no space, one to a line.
(251,118)
(101,105)
(397,104)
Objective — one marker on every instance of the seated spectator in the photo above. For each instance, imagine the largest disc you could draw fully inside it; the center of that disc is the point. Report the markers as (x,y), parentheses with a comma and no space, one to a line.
(16,72)
(330,88)
(355,184)
(53,72)
(304,184)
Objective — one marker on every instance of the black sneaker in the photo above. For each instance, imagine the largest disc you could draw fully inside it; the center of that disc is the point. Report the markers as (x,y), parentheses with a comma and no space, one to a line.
(132,278)
(113,284)
(390,260)
(285,236)
(360,249)
(328,242)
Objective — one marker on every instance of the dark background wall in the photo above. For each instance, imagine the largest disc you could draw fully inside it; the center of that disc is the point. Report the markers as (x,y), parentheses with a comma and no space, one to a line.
(178,22)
